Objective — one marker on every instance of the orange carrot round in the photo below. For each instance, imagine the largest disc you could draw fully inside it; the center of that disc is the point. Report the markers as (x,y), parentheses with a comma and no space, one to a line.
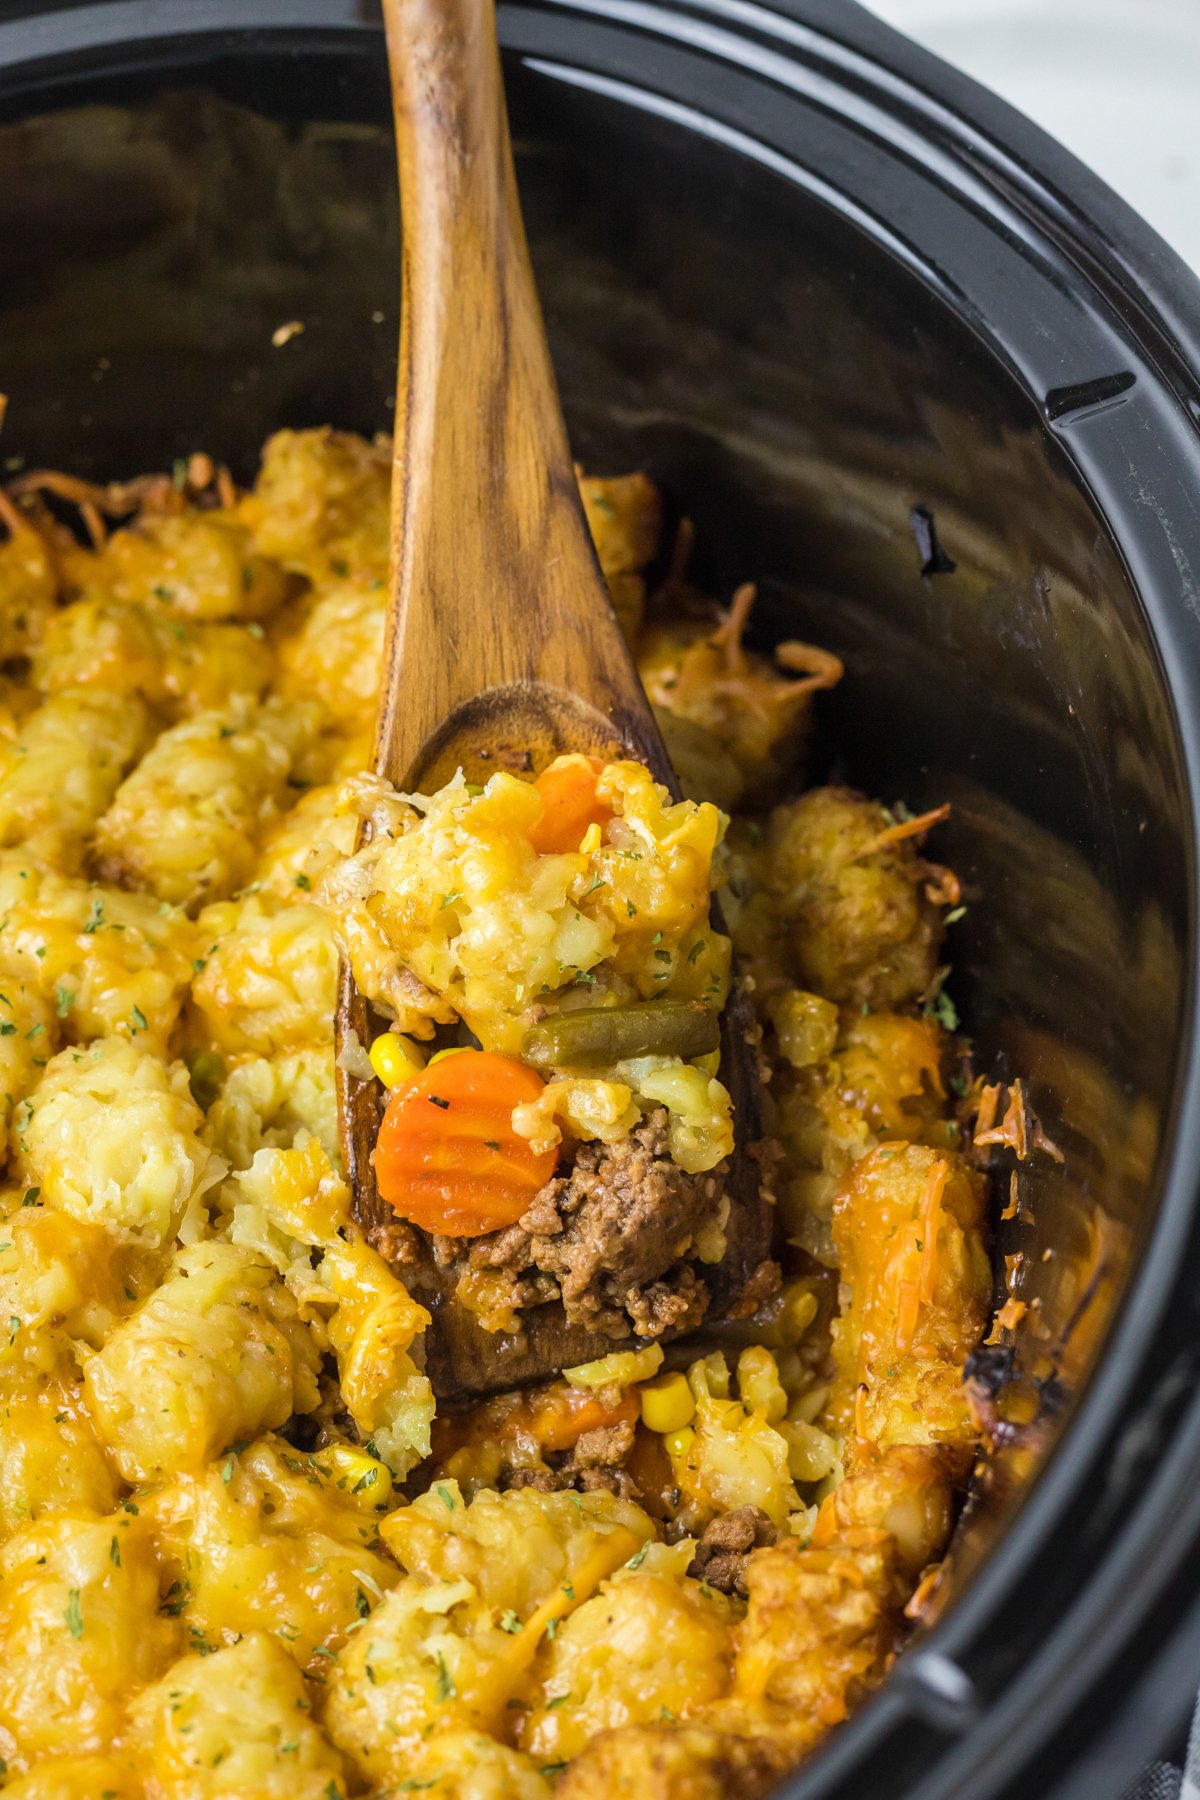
(447,1157)
(559,1415)
(570,804)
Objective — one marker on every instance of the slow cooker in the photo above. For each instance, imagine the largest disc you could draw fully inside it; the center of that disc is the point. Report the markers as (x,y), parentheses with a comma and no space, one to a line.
(914,370)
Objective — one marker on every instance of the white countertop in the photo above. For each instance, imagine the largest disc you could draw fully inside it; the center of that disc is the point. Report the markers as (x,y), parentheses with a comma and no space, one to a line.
(1117,81)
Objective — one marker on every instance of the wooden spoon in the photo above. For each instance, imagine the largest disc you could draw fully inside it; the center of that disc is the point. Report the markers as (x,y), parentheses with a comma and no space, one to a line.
(502,647)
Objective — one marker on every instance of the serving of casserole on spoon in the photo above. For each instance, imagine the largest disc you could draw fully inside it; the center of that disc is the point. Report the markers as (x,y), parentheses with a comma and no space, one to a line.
(529,891)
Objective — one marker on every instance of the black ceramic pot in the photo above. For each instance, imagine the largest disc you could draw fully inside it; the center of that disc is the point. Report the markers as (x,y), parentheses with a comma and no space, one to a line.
(813,280)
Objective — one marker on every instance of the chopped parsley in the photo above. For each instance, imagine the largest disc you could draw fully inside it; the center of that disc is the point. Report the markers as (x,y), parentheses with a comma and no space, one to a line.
(944,1011)
(73,1615)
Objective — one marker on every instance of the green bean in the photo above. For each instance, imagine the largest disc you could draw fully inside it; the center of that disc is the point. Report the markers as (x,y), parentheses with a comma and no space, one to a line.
(596,1036)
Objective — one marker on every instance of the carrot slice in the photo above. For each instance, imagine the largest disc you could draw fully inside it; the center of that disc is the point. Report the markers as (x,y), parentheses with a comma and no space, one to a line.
(559,1415)
(447,1157)
(569,804)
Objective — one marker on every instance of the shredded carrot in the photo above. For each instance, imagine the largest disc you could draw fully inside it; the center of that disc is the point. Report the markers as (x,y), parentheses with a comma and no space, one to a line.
(818,668)
(943,887)
(931,1210)
(989,1103)
(11,517)
(728,635)
(569,804)
(1011,1314)
(447,1158)
(1019,1129)
(904,828)
(1010,1211)
(922,1592)
(119,499)
(906,1315)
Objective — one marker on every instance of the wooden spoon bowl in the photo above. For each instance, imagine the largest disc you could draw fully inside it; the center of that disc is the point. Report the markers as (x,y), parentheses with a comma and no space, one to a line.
(502,648)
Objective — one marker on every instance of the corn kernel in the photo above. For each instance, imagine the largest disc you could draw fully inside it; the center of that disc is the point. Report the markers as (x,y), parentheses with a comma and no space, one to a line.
(809,1405)
(709,1377)
(441,1055)
(620,1369)
(591,840)
(668,1403)
(799,1309)
(394,1059)
(812,1454)
(759,1385)
(357,1473)
(679,1443)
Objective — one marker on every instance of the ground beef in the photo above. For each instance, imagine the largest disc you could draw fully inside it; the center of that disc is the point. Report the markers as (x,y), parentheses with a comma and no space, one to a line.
(597,1462)
(677,1305)
(396,1242)
(763,1285)
(724,1549)
(610,1236)
(607,1447)
(613,1231)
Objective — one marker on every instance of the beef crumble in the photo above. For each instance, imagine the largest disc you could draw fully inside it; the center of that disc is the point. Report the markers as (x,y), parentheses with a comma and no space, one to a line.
(612,1234)
(596,1462)
(724,1549)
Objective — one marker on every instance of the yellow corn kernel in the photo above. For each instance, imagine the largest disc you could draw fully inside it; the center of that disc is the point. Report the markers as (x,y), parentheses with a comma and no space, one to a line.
(668,1403)
(617,1370)
(759,1385)
(678,1443)
(709,1377)
(808,1406)
(441,1055)
(394,1059)
(797,1313)
(620,1369)
(812,1453)
(591,840)
(357,1473)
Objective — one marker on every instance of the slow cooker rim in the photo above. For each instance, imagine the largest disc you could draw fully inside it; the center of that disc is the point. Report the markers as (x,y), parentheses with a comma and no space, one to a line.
(1055,188)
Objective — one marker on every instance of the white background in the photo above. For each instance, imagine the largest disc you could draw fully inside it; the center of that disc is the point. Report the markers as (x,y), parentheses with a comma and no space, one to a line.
(1117,81)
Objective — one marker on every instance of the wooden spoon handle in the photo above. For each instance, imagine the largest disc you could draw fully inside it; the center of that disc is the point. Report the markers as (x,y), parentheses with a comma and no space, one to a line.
(499,605)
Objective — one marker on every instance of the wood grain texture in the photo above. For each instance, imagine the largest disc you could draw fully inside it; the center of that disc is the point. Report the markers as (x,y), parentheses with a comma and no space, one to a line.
(502,648)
